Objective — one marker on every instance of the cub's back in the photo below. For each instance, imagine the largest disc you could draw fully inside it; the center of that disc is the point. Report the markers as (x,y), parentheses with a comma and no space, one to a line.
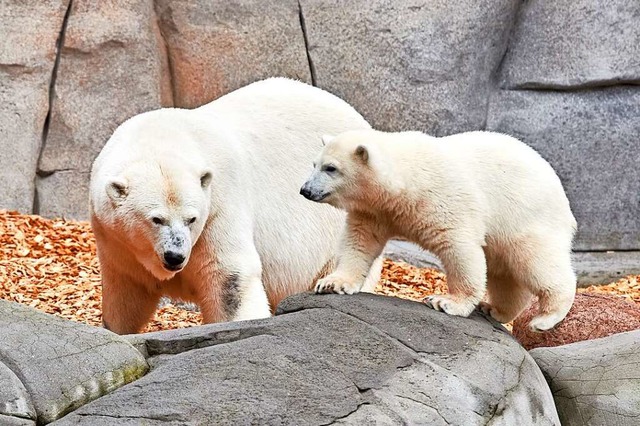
(519,186)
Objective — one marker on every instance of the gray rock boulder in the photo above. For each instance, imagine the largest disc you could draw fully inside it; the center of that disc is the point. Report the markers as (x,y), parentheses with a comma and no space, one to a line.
(596,382)
(259,380)
(470,370)
(29,32)
(579,43)
(112,66)
(15,421)
(333,359)
(15,402)
(61,364)
(591,139)
(410,65)
(218,46)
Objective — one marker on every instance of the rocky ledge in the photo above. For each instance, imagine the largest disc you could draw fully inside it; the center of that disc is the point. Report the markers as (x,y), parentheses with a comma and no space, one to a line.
(362,359)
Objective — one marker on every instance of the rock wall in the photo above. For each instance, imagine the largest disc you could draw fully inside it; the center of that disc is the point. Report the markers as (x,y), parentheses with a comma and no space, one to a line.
(562,76)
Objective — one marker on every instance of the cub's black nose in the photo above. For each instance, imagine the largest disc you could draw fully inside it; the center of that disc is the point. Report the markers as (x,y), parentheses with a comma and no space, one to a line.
(173,259)
(305,193)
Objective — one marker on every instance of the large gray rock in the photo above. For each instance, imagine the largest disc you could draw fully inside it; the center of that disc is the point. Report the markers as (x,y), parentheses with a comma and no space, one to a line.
(469,370)
(577,43)
(596,382)
(28,32)
(282,370)
(260,380)
(63,364)
(218,46)
(444,390)
(591,139)
(15,402)
(112,66)
(15,421)
(359,359)
(368,362)
(413,64)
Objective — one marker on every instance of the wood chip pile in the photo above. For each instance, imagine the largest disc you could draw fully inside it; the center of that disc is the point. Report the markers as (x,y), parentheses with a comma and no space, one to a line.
(51,265)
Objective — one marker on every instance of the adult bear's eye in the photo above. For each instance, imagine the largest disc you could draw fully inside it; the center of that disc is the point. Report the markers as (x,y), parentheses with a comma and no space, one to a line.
(157,220)
(192,220)
(329,168)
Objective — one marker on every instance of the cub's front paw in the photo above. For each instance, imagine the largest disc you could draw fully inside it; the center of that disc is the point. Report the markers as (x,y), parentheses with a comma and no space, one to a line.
(450,306)
(337,284)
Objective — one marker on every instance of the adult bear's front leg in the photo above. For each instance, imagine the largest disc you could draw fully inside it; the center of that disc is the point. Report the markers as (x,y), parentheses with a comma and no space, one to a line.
(126,306)
(229,282)
(232,295)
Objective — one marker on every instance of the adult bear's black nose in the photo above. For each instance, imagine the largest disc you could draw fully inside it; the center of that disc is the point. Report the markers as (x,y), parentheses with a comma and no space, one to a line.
(305,193)
(173,259)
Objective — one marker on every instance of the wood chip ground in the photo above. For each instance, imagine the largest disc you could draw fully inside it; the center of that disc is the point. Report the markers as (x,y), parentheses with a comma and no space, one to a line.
(51,265)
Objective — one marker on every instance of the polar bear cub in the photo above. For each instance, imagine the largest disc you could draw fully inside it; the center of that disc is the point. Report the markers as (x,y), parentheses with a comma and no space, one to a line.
(491,208)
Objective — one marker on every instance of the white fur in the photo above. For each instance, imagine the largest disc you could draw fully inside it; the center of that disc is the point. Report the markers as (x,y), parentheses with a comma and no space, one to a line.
(488,205)
(252,226)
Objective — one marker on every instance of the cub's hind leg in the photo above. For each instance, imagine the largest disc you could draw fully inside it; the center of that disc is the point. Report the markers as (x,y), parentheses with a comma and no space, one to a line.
(507,298)
(546,271)
(555,286)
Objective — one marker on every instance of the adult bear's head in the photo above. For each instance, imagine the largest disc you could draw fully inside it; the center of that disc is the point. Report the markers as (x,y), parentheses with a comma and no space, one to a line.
(154,190)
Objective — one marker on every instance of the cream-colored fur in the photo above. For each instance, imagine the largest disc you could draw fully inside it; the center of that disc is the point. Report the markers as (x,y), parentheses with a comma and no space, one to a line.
(486,204)
(222,183)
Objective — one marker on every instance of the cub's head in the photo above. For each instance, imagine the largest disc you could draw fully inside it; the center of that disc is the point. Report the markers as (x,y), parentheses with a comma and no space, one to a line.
(158,210)
(347,171)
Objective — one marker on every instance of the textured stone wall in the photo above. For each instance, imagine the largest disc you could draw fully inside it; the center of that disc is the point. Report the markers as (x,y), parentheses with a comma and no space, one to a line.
(561,75)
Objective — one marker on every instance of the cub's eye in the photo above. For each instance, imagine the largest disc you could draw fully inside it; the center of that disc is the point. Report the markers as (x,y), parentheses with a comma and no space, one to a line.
(157,220)
(329,168)
(191,220)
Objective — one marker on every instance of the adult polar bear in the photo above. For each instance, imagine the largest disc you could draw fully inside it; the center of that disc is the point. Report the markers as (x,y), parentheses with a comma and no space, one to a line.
(203,205)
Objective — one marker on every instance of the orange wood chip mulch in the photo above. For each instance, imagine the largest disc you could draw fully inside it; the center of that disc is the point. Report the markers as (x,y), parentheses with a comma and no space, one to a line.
(51,265)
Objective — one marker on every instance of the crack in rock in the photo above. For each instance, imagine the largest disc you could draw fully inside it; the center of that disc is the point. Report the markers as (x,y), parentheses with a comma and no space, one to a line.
(167,52)
(164,419)
(425,405)
(52,87)
(305,36)
(500,405)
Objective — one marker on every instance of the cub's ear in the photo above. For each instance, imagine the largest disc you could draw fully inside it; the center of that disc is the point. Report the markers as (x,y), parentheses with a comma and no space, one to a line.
(362,153)
(205,179)
(326,139)
(118,189)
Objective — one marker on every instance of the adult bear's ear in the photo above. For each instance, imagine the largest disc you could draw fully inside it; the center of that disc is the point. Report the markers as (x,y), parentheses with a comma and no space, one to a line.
(118,189)
(362,153)
(326,139)
(205,179)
